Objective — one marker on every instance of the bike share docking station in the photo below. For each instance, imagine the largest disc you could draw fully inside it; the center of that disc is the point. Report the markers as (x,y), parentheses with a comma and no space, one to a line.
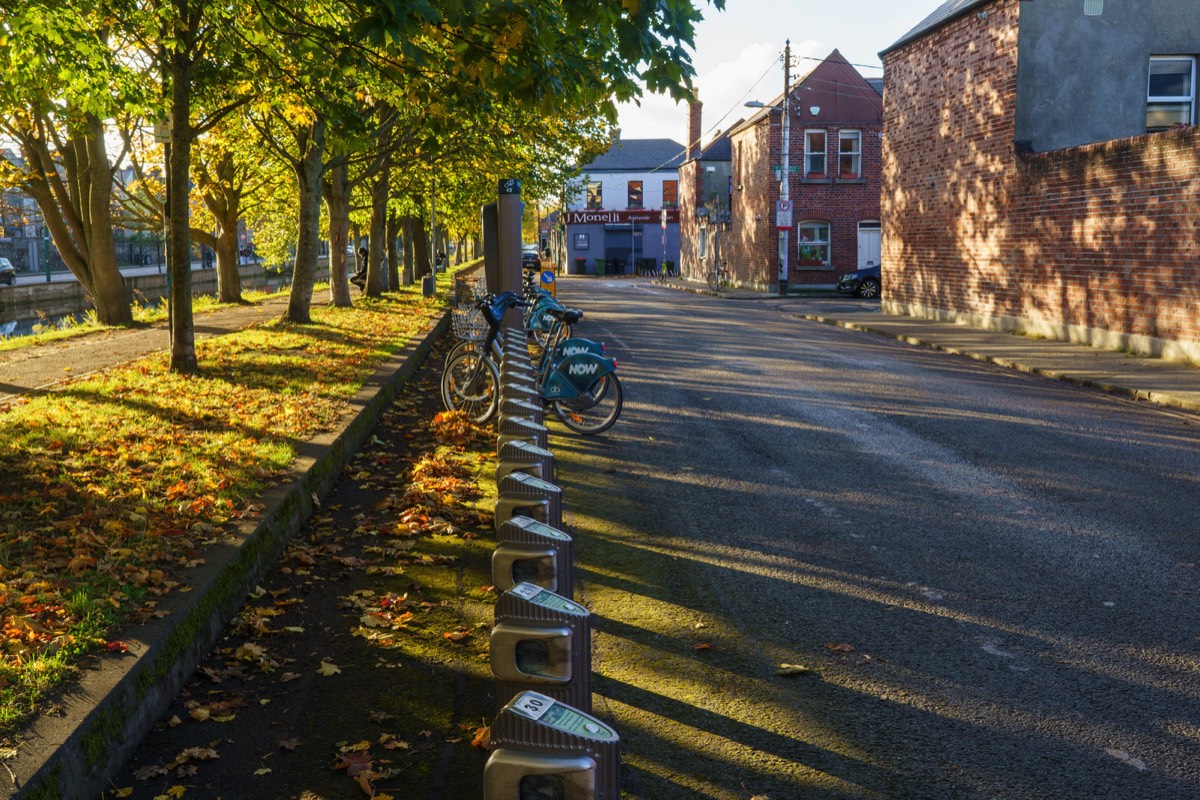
(525,495)
(521,429)
(542,641)
(518,455)
(516,407)
(529,551)
(545,743)
(544,748)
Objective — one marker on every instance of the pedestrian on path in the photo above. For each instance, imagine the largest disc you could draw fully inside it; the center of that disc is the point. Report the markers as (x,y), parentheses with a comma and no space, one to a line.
(360,275)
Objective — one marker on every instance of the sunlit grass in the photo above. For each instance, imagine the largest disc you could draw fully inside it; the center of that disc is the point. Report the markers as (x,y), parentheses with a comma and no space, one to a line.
(114,482)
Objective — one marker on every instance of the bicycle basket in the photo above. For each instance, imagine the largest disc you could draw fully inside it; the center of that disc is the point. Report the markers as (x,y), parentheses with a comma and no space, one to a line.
(468,323)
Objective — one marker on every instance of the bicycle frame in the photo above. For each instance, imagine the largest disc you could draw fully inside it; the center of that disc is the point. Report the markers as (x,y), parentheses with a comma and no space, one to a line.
(567,366)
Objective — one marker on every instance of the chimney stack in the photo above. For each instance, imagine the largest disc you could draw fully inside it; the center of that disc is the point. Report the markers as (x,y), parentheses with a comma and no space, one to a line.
(695,131)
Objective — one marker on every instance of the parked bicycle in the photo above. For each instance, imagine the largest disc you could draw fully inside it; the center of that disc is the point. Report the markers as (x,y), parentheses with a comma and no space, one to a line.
(572,375)
(719,279)
(471,328)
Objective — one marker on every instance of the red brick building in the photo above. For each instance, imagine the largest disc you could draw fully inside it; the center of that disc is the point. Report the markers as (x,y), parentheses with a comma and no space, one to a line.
(834,185)
(1023,190)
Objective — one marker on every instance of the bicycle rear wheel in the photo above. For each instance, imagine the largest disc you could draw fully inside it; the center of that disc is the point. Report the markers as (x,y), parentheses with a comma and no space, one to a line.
(472,387)
(714,281)
(595,410)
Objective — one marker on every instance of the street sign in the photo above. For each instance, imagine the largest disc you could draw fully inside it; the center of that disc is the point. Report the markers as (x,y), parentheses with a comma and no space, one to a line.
(783,215)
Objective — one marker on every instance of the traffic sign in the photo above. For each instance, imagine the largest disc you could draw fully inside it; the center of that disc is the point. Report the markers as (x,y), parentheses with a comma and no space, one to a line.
(783,215)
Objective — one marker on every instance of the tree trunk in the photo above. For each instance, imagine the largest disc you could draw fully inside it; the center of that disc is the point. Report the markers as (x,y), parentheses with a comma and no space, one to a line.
(179,242)
(73,196)
(393,260)
(337,202)
(108,286)
(422,264)
(309,174)
(379,200)
(222,197)
(408,251)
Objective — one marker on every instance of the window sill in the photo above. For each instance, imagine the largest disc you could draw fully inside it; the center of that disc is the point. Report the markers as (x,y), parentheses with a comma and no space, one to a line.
(818,180)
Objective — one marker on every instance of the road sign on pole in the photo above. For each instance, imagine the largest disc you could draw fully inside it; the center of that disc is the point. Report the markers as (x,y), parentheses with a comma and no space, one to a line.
(783,215)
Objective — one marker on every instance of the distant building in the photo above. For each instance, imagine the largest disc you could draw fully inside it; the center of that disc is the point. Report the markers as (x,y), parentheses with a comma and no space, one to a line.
(628,210)
(835,136)
(704,191)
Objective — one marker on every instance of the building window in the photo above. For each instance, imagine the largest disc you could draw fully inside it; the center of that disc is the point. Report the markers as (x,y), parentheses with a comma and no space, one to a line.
(703,242)
(814,154)
(850,154)
(635,195)
(1171,96)
(595,195)
(812,240)
(670,194)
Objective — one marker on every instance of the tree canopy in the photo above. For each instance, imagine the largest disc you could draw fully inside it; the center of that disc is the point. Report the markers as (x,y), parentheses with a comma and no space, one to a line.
(326,119)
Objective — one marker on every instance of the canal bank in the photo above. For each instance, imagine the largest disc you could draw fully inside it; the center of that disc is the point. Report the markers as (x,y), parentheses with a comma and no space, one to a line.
(32,302)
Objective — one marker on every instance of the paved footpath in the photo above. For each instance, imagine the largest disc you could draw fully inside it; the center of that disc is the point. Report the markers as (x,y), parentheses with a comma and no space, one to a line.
(41,366)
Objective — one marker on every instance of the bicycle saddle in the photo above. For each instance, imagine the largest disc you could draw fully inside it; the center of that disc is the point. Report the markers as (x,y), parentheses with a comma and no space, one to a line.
(567,315)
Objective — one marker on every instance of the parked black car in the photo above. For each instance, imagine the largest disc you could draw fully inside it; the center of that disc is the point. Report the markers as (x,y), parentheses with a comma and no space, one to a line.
(8,273)
(863,283)
(530,258)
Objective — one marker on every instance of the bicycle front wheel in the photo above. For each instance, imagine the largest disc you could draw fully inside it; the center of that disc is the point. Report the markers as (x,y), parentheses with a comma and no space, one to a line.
(595,410)
(464,346)
(472,385)
(714,281)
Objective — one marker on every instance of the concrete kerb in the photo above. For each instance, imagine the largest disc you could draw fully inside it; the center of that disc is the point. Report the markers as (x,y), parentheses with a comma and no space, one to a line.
(1104,383)
(73,756)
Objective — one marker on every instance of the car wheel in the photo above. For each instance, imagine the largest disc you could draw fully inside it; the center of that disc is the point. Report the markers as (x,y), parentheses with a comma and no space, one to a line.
(868,289)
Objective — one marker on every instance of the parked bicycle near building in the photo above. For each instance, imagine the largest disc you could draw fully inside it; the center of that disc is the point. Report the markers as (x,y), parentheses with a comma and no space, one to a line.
(719,279)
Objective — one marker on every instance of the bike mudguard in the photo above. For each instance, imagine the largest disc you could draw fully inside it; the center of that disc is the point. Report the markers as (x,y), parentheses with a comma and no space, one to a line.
(573,375)
(539,320)
(576,345)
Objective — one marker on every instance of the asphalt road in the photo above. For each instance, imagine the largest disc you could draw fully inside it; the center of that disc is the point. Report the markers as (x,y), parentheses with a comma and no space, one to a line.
(986,582)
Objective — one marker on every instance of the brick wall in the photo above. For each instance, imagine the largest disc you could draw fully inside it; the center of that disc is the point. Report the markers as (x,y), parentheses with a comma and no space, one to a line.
(752,248)
(689,228)
(1098,244)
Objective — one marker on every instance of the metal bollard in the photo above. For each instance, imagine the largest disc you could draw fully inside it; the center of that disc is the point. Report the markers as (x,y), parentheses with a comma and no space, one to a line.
(522,456)
(529,551)
(520,392)
(544,748)
(524,495)
(510,429)
(516,407)
(542,641)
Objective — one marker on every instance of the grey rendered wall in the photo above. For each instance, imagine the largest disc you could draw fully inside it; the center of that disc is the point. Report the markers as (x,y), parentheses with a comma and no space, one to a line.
(1083,79)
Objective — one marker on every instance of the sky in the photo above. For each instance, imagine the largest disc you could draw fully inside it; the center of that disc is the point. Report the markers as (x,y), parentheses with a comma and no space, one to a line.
(738,55)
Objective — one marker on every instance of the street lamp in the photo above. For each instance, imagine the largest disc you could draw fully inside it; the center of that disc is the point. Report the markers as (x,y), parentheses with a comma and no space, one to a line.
(783,209)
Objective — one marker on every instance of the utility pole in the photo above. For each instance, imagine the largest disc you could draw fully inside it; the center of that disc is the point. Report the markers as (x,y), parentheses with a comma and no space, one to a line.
(785,177)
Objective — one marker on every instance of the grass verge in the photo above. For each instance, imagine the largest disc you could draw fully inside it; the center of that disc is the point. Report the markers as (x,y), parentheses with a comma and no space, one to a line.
(115,483)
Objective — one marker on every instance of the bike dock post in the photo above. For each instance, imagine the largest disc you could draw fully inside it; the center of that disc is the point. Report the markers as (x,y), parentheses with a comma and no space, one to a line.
(542,641)
(533,552)
(544,741)
(525,495)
